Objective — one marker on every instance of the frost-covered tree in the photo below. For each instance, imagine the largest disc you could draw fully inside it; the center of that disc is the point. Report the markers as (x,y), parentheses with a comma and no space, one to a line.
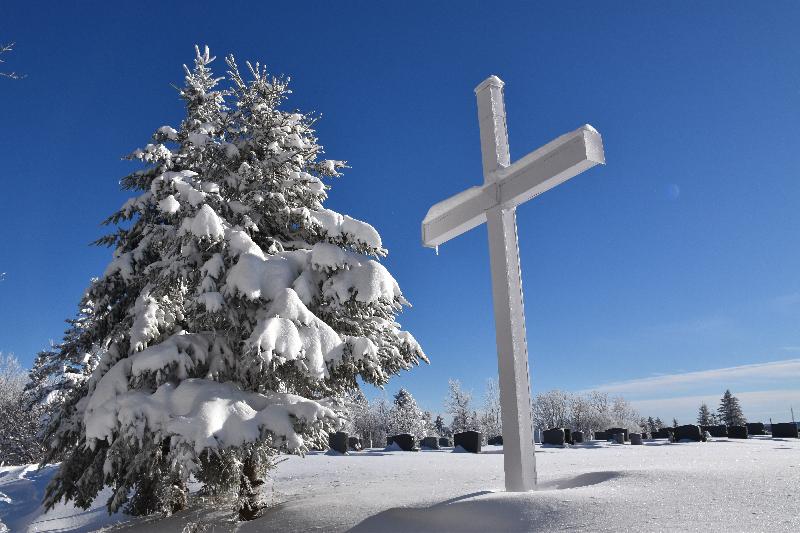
(729,411)
(5,49)
(19,423)
(457,405)
(704,416)
(406,416)
(236,311)
(551,409)
(491,423)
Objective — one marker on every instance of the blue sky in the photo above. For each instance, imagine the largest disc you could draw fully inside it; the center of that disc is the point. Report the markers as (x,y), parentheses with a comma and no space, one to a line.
(679,256)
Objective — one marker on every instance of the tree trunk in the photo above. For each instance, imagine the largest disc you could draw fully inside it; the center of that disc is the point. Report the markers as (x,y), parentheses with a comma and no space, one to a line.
(251,502)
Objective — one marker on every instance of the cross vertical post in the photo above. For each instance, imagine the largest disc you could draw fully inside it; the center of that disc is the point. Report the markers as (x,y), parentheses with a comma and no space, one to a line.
(509,310)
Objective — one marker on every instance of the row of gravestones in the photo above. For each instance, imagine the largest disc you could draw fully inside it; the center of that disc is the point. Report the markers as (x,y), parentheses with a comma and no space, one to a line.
(562,436)
(470,441)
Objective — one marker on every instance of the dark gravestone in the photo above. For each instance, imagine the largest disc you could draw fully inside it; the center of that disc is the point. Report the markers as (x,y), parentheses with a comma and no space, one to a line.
(618,438)
(354,443)
(404,441)
(737,432)
(568,435)
(554,436)
(444,442)
(661,434)
(495,441)
(718,431)
(613,431)
(338,441)
(469,440)
(430,442)
(689,432)
(785,430)
(600,435)
(756,428)
(389,441)
(577,437)
(636,438)
(645,435)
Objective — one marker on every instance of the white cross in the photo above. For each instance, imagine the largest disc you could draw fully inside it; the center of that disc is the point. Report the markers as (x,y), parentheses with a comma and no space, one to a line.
(505,186)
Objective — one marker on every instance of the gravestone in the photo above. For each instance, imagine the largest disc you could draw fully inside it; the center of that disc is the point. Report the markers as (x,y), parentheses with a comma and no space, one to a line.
(444,442)
(785,430)
(469,440)
(662,434)
(756,428)
(338,441)
(577,437)
(636,438)
(737,432)
(689,432)
(389,441)
(554,436)
(567,435)
(718,431)
(354,443)
(506,185)
(405,441)
(430,442)
(645,435)
(618,438)
(612,431)
(600,435)
(495,441)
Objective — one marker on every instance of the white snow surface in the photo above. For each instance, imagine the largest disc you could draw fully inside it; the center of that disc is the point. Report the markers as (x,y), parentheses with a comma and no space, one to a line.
(722,485)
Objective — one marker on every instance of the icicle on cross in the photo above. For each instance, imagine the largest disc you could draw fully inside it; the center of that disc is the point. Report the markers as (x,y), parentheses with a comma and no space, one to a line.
(505,186)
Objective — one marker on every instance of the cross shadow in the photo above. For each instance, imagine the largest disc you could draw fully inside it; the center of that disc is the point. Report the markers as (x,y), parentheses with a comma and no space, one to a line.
(480,511)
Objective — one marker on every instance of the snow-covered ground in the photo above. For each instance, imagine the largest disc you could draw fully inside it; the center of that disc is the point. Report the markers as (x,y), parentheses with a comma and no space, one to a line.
(722,485)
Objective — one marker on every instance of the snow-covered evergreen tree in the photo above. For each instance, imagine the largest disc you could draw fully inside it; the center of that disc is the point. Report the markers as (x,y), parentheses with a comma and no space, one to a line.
(406,416)
(59,371)
(729,411)
(236,310)
(704,416)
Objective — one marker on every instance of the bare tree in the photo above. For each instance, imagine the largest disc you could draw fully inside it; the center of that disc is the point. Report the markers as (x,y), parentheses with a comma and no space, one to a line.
(4,49)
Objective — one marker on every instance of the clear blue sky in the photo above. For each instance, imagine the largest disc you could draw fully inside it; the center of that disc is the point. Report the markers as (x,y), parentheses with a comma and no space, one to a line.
(680,255)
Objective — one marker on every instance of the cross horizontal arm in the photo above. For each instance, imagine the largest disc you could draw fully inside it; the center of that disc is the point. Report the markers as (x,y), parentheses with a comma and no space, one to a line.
(537,172)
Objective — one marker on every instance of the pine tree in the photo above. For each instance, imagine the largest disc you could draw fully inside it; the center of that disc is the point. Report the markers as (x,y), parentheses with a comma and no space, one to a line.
(405,416)
(659,423)
(729,411)
(236,310)
(704,416)
(674,422)
(651,425)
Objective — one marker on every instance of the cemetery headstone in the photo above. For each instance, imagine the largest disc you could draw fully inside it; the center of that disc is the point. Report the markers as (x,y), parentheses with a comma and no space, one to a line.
(612,431)
(338,441)
(737,432)
(469,440)
(600,435)
(430,442)
(495,441)
(568,435)
(785,430)
(444,442)
(688,432)
(389,441)
(554,436)
(636,438)
(505,186)
(405,441)
(354,443)
(661,434)
(577,437)
(618,438)
(756,428)
(718,431)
